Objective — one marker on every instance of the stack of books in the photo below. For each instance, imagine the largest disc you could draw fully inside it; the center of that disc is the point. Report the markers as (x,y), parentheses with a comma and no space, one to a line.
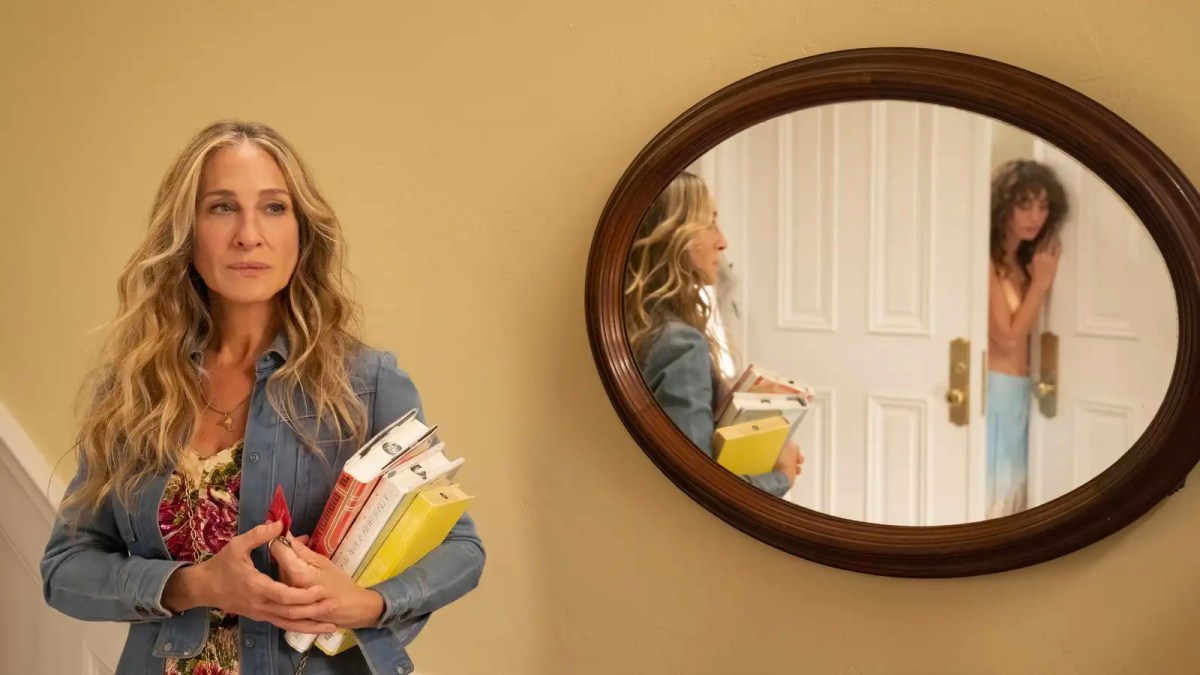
(759,416)
(394,502)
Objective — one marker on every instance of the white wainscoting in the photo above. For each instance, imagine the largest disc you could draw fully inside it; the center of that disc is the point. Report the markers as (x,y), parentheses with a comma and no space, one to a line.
(40,640)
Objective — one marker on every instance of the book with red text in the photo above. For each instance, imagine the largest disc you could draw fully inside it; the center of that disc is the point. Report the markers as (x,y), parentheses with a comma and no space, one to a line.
(423,527)
(399,441)
(389,500)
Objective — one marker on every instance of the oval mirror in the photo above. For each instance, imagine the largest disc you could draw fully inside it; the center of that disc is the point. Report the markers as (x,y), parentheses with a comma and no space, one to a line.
(937,280)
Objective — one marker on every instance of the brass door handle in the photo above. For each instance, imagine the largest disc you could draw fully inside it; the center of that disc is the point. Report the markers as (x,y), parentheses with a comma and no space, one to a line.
(1046,389)
(960,381)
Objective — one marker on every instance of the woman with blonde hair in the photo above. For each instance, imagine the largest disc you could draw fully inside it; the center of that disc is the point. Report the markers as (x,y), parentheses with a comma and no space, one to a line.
(1028,207)
(675,255)
(233,366)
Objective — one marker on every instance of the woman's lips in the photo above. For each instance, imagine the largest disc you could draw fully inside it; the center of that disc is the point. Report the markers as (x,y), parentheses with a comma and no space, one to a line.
(250,269)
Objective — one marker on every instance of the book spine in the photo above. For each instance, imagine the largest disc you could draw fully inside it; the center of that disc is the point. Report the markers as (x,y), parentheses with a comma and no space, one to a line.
(421,530)
(367,527)
(402,535)
(301,642)
(358,541)
(346,500)
(401,509)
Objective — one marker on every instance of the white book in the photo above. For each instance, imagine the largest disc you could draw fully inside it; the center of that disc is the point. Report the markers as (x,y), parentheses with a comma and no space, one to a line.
(412,535)
(391,446)
(404,438)
(747,407)
(425,471)
(387,503)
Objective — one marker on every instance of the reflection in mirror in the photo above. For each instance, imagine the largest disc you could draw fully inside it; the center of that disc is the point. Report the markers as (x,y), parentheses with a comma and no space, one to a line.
(900,313)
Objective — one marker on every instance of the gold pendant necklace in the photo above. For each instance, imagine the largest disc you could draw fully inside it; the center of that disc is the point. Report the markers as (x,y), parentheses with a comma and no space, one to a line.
(225,421)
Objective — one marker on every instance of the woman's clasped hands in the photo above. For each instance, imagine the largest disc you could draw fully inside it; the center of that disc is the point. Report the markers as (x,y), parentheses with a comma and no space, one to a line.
(312,595)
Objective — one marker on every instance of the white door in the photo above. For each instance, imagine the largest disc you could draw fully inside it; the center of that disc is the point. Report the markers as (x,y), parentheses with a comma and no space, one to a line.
(859,233)
(1112,307)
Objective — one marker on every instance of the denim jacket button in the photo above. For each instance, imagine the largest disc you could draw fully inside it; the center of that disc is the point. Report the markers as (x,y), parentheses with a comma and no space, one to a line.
(254,457)
(249,642)
(168,647)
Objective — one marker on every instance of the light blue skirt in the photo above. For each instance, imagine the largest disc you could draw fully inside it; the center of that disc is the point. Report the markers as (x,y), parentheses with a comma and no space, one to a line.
(1008,398)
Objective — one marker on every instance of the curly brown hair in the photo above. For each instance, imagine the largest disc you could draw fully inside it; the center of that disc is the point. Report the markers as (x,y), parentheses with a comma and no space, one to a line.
(1018,181)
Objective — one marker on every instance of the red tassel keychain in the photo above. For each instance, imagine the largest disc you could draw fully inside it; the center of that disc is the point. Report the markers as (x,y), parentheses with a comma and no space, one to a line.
(279,511)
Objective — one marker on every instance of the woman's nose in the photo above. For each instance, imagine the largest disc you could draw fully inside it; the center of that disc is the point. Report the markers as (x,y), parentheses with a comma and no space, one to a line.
(248,235)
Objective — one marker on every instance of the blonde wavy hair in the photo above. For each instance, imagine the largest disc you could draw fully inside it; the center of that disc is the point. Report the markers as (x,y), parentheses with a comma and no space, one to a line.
(142,402)
(661,282)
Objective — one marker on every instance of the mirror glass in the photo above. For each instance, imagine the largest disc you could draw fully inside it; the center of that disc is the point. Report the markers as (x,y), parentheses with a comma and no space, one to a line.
(947,318)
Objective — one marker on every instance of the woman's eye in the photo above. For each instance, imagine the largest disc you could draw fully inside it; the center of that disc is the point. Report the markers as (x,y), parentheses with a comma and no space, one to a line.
(277,209)
(221,207)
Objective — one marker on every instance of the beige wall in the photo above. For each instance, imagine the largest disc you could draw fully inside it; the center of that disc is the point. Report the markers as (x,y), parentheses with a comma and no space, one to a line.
(469,149)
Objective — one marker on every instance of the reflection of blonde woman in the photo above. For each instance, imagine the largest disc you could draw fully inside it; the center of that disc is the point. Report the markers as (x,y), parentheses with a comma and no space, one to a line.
(676,254)
(1028,208)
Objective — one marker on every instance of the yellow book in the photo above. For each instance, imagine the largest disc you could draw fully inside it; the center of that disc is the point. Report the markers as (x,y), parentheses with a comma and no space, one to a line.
(390,525)
(422,528)
(751,447)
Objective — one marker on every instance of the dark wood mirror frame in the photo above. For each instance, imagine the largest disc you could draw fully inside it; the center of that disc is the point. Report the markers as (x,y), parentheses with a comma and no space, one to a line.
(1156,190)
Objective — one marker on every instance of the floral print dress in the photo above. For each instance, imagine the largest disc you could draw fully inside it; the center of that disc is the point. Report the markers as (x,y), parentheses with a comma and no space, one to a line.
(198,515)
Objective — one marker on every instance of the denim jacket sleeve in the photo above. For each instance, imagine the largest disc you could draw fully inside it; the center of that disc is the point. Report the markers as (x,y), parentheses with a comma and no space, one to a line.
(449,571)
(678,371)
(88,573)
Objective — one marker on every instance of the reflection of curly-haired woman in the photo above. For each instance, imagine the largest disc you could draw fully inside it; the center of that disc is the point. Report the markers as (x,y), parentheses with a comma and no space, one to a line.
(1027,210)
(676,254)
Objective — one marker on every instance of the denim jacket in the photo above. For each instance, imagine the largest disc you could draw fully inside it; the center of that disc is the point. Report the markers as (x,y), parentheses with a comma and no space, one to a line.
(678,369)
(114,568)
